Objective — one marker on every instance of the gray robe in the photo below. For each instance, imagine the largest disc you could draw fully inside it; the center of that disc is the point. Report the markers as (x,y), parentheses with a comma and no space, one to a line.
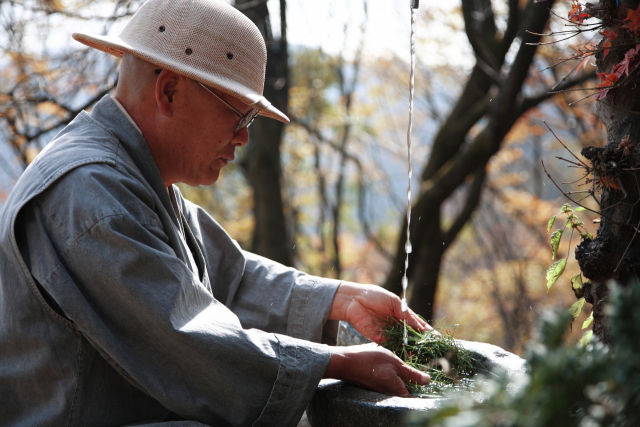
(116,307)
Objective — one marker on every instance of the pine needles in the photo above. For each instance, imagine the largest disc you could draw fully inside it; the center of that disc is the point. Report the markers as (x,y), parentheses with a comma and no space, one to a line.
(448,364)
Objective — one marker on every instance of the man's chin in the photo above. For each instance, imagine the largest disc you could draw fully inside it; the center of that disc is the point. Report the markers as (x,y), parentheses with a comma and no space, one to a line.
(208,180)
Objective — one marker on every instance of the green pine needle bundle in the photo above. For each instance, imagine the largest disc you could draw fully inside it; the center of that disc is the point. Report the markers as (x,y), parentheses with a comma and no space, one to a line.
(447,363)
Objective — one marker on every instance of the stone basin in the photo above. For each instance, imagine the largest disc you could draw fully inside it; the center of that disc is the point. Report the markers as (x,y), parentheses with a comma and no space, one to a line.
(339,404)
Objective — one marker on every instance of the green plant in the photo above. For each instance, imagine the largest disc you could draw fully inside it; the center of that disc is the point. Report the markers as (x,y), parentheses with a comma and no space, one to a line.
(438,354)
(557,268)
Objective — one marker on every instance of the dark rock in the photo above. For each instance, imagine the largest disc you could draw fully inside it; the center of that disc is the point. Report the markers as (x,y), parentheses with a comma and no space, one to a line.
(339,404)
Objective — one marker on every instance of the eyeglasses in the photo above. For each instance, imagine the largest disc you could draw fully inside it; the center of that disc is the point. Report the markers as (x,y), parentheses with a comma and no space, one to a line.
(245,119)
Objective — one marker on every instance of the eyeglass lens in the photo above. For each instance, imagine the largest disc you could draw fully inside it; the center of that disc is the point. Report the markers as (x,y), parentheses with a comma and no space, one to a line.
(246,120)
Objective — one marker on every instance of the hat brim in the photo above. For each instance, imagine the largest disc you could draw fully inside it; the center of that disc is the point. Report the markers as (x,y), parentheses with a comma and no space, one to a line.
(117,47)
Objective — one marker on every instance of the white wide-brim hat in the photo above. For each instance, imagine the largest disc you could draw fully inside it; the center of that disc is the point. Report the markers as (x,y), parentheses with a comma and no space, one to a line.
(206,40)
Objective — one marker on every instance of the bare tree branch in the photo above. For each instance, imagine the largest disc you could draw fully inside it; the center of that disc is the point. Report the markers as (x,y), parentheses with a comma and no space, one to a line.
(473,198)
(528,103)
(72,113)
(453,173)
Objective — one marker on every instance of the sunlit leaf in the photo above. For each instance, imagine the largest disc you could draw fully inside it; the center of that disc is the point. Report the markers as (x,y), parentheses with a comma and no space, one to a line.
(586,338)
(555,242)
(555,271)
(587,322)
(586,235)
(576,309)
(580,209)
(552,220)
(566,208)
(576,285)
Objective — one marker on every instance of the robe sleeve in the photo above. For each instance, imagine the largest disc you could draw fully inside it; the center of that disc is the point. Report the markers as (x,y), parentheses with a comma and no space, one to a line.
(268,296)
(153,320)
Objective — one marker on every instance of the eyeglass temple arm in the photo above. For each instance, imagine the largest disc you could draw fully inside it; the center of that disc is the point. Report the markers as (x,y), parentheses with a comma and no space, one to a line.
(226,103)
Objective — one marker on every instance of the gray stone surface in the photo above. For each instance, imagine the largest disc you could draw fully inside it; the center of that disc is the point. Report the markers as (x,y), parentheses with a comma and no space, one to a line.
(493,358)
(339,404)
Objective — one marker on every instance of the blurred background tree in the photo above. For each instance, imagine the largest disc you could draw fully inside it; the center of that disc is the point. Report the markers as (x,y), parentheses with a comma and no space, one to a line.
(326,193)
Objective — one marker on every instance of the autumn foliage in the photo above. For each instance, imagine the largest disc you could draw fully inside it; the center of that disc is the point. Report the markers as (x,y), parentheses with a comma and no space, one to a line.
(614,78)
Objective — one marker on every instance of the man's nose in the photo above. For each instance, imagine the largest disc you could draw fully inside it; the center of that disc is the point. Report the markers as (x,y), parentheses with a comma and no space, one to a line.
(241,138)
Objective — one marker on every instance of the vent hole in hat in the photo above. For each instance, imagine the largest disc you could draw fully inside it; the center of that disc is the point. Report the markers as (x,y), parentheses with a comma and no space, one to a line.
(188,51)
(161,29)
(229,55)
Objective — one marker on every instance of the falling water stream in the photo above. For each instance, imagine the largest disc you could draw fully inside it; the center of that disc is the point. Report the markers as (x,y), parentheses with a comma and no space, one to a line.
(407,246)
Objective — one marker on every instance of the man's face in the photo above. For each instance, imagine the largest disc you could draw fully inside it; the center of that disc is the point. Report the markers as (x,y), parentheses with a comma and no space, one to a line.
(204,134)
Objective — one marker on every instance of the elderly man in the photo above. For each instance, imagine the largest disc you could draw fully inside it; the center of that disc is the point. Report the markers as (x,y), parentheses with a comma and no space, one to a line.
(121,302)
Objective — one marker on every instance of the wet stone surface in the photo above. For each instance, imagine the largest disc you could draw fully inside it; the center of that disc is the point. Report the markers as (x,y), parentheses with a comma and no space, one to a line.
(338,404)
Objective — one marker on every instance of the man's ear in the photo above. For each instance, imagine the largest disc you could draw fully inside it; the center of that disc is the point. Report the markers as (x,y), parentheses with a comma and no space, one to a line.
(166,87)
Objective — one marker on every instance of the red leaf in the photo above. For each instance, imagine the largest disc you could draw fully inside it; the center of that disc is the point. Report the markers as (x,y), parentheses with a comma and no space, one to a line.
(608,79)
(606,45)
(576,13)
(623,66)
(609,181)
(583,63)
(633,16)
(609,34)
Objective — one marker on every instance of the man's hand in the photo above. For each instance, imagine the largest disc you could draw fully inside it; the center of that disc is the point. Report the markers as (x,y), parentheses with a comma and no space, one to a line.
(367,307)
(373,368)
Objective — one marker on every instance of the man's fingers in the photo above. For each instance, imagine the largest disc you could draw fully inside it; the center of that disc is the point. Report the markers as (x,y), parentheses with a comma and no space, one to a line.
(416,322)
(413,376)
(399,389)
(412,319)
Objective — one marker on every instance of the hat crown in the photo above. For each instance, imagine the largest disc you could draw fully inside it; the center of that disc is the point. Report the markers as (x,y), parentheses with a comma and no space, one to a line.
(207,40)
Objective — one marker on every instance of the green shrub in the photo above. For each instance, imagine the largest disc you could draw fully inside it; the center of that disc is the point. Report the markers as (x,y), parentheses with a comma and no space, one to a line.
(566,384)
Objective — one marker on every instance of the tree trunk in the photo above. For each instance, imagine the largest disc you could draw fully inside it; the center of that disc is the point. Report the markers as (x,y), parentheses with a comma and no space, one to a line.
(456,161)
(262,163)
(614,254)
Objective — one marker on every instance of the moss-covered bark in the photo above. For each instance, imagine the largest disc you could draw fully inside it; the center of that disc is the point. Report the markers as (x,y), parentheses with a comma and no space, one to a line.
(614,254)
